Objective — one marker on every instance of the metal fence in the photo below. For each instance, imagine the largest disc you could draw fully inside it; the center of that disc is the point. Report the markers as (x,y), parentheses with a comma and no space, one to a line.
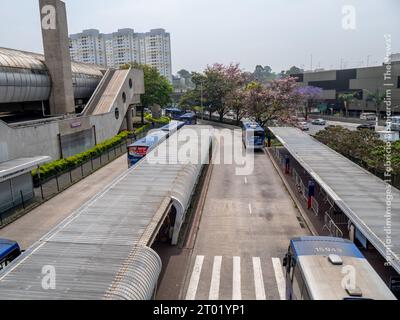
(59,182)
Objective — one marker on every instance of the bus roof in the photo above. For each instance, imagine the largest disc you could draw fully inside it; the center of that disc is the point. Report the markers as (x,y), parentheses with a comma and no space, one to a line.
(7,246)
(251,125)
(150,139)
(322,246)
(173,110)
(324,280)
(188,115)
(172,125)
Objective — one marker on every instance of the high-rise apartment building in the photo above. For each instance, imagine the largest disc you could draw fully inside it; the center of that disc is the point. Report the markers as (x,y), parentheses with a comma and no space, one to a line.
(124,46)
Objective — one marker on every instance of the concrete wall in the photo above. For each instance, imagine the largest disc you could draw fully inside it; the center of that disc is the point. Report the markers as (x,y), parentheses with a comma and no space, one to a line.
(56,51)
(42,138)
(29,141)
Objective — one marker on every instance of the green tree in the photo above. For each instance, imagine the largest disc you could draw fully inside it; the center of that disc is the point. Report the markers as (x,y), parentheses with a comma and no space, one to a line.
(185,74)
(236,103)
(263,74)
(346,99)
(378,99)
(158,89)
(192,97)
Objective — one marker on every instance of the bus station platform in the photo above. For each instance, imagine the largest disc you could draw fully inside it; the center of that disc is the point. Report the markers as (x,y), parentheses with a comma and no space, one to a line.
(349,201)
(103,250)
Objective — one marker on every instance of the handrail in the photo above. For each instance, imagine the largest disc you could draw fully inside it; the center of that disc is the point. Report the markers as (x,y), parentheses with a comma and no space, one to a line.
(331,226)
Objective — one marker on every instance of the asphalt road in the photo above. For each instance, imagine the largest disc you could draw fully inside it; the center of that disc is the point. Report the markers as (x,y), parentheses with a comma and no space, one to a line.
(245,230)
(316,128)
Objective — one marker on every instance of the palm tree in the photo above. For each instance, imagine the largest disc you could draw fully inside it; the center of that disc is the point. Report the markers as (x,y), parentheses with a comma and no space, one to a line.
(347,99)
(377,98)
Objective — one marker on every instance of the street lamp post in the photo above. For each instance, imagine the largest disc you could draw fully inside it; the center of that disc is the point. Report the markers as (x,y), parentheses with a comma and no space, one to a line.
(201,100)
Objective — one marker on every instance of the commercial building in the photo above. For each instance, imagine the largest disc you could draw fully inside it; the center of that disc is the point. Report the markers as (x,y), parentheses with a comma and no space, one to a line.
(362,82)
(124,46)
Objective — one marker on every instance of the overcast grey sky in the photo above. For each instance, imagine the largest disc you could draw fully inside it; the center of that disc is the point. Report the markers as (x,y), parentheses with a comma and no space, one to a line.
(279,33)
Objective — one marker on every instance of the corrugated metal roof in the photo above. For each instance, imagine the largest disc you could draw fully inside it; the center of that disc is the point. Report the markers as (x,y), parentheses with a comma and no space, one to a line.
(34,61)
(100,252)
(358,193)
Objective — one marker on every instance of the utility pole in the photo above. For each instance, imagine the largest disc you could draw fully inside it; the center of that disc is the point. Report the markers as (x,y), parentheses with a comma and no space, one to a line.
(368,57)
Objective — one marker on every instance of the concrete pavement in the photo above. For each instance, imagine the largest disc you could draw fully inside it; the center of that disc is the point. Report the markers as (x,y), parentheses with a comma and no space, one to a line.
(245,230)
(37,223)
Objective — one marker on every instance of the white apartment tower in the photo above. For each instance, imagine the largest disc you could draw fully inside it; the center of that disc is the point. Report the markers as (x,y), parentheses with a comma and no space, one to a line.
(116,49)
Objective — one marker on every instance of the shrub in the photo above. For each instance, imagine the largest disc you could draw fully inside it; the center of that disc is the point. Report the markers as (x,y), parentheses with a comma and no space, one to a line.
(62,165)
(162,120)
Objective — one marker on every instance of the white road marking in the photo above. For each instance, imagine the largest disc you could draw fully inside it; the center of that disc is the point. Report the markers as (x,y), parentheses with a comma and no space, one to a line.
(258,280)
(250,208)
(245,180)
(215,279)
(236,285)
(194,280)
(280,278)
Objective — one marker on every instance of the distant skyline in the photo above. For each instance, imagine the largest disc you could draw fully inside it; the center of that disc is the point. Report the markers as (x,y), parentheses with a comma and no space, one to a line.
(250,32)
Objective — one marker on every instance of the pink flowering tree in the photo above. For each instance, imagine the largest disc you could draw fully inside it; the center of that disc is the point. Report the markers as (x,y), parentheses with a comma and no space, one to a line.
(276,101)
(310,96)
(220,85)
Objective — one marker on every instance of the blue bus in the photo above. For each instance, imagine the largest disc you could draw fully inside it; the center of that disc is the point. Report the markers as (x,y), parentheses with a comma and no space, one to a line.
(188,118)
(253,135)
(142,147)
(172,127)
(9,251)
(326,268)
(174,113)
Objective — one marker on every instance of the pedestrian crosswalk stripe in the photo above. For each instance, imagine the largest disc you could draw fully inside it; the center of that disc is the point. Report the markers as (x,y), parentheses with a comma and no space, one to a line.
(215,279)
(280,278)
(258,279)
(236,283)
(195,278)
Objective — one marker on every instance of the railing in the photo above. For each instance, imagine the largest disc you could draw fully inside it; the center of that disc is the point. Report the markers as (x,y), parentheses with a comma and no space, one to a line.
(332,227)
(315,206)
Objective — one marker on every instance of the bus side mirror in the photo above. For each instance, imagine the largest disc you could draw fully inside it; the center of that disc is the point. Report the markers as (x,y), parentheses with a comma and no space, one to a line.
(285,261)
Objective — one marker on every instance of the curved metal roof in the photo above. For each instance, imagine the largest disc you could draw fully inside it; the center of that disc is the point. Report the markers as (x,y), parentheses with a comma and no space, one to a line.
(101,251)
(33,61)
(138,276)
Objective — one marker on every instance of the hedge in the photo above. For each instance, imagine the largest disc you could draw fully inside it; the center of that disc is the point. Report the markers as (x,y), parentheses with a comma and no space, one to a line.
(62,165)
(162,120)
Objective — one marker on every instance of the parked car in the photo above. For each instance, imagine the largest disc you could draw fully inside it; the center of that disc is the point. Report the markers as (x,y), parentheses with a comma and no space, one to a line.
(366,126)
(319,122)
(368,116)
(303,126)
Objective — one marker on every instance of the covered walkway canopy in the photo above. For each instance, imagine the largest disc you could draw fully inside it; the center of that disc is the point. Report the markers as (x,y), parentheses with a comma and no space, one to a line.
(16,185)
(102,251)
(361,196)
